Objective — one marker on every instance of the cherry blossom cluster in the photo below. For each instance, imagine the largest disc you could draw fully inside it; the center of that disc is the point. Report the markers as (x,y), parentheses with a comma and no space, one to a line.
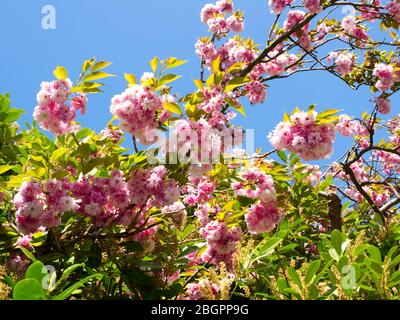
(379,197)
(176,211)
(204,211)
(304,136)
(279,63)
(370,13)
(358,169)
(198,291)
(385,75)
(56,110)
(201,141)
(344,62)
(390,162)
(393,7)
(383,105)
(201,192)
(152,187)
(40,204)
(347,126)
(111,133)
(221,242)
(394,129)
(105,200)
(313,173)
(352,28)
(257,185)
(277,6)
(215,16)
(293,18)
(264,215)
(140,110)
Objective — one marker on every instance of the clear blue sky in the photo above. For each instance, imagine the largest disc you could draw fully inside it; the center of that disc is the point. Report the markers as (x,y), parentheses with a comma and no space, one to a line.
(130,33)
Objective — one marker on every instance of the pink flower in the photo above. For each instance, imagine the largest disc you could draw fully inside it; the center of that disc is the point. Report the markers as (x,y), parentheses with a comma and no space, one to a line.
(383,105)
(304,137)
(293,18)
(221,242)
(225,6)
(54,112)
(260,185)
(349,23)
(352,28)
(236,24)
(256,92)
(263,217)
(323,30)
(313,6)
(152,186)
(370,13)
(206,51)
(218,25)
(349,127)
(344,63)
(277,6)
(24,241)
(79,103)
(385,76)
(140,110)
(209,11)
(114,134)
(393,7)
(194,290)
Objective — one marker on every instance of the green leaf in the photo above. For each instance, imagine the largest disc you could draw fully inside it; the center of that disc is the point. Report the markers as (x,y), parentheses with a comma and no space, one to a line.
(173,62)
(154,64)
(199,84)
(97,75)
(100,65)
(13,115)
(172,107)
(237,66)
(215,65)
(67,272)
(83,133)
(394,279)
(286,117)
(235,83)
(58,153)
(87,64)
(130,78)
(266,248)
(168,78)
(312,270)
(28,289)
(70,290)
(336,241)
(36,271)
(282,155)
(6,167)
(294,276)
(375,253)
(60,73)
(27,253)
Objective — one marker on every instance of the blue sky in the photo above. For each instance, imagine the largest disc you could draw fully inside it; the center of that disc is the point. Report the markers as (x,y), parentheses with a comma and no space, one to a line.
(130,33)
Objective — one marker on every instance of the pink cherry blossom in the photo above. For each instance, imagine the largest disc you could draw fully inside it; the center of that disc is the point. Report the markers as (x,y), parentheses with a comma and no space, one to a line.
(304,137)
